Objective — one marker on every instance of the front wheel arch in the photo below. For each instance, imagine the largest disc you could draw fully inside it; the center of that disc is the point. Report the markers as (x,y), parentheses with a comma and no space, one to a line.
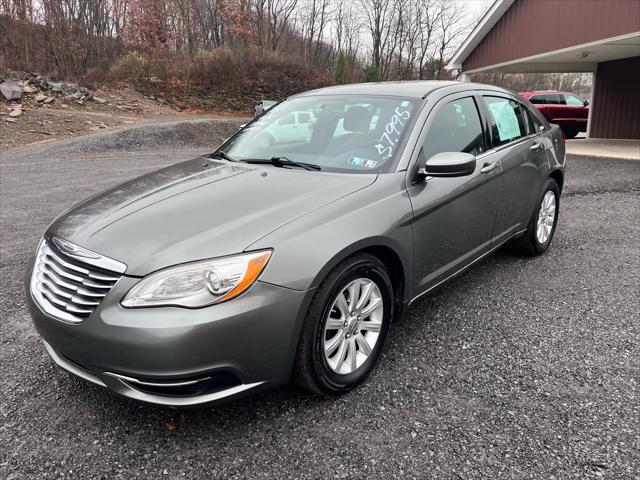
(399,269)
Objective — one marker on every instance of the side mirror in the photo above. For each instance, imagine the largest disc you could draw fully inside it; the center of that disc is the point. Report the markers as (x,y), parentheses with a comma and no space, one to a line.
(446,164)
(586,103)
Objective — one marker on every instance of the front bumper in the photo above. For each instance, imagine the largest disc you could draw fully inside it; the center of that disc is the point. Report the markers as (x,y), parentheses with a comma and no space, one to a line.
(176,356)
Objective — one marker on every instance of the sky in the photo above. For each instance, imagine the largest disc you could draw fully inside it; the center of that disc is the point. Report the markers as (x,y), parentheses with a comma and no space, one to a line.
(475,7)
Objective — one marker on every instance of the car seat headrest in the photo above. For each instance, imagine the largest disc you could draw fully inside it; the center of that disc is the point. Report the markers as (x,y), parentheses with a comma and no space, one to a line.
(357,119)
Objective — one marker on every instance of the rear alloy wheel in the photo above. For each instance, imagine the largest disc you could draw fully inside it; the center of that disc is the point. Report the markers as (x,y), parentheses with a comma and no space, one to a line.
(542,224)
(346,327)
(546,217)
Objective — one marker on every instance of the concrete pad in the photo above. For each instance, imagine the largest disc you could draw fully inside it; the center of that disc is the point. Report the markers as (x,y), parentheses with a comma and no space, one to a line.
(605,147)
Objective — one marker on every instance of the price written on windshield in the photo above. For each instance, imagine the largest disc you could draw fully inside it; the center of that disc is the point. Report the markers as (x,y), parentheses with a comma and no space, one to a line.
(392,131)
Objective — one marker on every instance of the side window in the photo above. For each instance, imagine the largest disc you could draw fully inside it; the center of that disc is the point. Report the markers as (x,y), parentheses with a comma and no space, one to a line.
(455,128)
(553,99)
(304,117)
(573,101)
(534,121)
(289,119)
(506,120)
(528,126)
(538,100)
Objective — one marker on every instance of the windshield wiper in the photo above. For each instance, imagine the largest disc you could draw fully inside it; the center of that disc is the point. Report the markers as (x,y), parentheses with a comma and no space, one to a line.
(282,162)
(222,154)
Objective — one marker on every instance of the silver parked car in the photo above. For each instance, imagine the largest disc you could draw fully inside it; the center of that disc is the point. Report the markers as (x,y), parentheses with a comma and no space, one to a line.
(264,105)
(266,261)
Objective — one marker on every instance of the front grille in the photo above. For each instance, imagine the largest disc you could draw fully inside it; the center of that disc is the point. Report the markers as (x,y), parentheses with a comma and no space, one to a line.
(67,287)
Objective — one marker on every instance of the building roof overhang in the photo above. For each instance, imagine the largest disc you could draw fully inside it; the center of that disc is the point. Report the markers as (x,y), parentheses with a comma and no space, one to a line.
(484,26)
(576,58)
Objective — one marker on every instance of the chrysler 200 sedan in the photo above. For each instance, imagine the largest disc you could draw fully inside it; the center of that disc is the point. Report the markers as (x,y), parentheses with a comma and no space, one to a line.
(280,257)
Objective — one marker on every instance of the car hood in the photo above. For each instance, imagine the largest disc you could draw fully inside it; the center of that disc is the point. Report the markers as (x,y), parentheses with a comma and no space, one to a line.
(196,210)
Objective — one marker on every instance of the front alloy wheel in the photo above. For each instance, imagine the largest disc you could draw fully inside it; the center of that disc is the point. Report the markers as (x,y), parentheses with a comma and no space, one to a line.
(353,326)
(345,327)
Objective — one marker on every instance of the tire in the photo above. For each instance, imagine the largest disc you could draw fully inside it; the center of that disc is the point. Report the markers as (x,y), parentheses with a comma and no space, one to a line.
(315,369)
(265,140)
(570,132)
(530,243)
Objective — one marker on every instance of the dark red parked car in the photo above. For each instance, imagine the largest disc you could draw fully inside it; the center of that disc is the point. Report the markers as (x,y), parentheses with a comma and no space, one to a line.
(566,109)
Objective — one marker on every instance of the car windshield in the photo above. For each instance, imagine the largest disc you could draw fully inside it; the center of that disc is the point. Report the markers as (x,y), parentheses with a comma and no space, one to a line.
(352,134)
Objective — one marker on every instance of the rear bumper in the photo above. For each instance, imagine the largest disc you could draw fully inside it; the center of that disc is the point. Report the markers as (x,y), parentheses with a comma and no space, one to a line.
(154,355)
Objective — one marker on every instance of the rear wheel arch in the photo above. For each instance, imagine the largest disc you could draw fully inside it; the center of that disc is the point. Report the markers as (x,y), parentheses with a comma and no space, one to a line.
(558,176)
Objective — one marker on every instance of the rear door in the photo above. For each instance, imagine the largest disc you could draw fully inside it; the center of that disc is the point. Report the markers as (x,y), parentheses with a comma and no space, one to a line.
(453,217)
(520,147)
(576,111)
(550,104)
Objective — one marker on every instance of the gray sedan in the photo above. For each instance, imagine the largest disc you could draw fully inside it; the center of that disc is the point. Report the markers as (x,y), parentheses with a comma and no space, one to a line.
(291,258)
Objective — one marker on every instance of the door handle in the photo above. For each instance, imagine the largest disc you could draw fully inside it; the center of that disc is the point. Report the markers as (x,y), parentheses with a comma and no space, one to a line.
(536,146)
(487,167)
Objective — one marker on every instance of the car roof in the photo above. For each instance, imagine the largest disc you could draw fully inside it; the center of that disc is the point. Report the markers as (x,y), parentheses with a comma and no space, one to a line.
(413,88)
(542,92)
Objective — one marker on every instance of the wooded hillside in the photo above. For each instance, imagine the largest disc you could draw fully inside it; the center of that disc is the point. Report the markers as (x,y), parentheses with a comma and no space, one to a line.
(205,43)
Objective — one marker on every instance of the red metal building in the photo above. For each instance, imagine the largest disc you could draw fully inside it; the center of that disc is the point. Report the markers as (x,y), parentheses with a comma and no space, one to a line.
(599,36)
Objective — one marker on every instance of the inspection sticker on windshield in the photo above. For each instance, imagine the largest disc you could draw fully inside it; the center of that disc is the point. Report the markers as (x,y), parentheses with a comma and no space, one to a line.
(362,162)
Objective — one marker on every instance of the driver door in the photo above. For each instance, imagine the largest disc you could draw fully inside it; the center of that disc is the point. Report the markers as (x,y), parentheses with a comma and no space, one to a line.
(287,129)
(576,110)
(454,217)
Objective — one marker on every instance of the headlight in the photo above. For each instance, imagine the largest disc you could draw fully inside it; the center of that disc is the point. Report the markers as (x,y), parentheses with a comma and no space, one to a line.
(198,284)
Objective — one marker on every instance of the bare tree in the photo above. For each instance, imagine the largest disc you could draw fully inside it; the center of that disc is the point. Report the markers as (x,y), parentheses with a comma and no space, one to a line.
(314,20)
(347,36)
(380,23)
(451,26)
(427,17)
(280,13)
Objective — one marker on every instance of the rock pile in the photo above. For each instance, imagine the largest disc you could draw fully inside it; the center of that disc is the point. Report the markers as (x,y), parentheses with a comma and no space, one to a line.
(46,91)
(42,92)
(11,90)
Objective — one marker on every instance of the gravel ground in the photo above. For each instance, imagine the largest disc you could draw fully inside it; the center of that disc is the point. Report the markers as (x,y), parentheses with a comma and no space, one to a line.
(521,368)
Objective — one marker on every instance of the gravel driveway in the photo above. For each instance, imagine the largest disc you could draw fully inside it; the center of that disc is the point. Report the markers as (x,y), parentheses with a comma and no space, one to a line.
(521,368)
